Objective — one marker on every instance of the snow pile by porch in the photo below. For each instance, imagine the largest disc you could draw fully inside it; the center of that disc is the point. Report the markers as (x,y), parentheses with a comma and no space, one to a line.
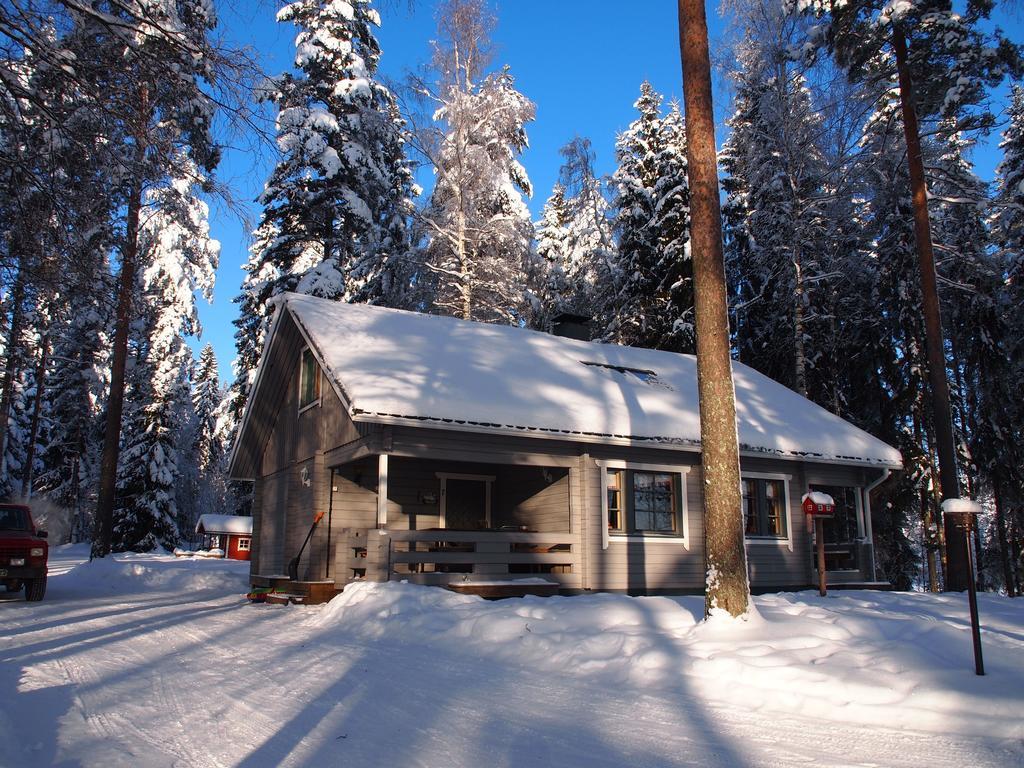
(438,371)
(867,658)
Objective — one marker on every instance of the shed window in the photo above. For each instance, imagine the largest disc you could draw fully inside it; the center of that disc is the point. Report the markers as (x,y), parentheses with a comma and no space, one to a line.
(243,545)
(643,502)
(309,379)
(764,507)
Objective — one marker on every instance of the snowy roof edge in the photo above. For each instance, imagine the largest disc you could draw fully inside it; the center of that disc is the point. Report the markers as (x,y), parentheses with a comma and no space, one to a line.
(669,443)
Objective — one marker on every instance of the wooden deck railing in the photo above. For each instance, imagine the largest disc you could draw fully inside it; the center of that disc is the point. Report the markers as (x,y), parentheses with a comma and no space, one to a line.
(445,556)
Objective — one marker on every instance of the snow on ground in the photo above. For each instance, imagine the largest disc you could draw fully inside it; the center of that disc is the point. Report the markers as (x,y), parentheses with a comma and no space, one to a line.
(151,660)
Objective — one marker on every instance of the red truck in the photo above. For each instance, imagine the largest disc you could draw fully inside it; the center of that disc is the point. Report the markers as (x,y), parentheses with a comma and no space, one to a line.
(23,552)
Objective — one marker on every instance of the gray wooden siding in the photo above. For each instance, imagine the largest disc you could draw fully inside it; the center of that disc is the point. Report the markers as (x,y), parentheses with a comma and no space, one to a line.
(270,535)
(524,496)
(642,565)
(353,505)
(257,518)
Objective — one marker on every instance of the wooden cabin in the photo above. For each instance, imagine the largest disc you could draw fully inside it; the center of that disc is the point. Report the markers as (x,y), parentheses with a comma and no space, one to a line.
(230,533)
(458,453)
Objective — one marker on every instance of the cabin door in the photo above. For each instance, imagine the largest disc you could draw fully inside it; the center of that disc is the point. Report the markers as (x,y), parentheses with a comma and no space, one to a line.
(465,502)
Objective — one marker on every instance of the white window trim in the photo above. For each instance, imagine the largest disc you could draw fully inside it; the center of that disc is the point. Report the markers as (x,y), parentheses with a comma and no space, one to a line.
(444,477)
(676,469)
(320,389)
(787,540)
(246,541)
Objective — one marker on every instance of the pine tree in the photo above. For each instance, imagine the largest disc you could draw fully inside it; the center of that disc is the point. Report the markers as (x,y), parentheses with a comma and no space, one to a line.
(777,231)
(206,397)
(180,260)
(336,205)
(898,335)
(998,444)
(159,121)
(553,250)
(652,303)
(940,63)
(576,242)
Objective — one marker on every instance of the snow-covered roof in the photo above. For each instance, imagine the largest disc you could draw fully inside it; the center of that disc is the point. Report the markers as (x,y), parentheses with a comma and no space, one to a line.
(389,365)
(236,524)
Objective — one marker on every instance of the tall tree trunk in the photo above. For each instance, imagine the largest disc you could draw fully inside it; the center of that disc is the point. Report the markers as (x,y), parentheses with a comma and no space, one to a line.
(927,523)
(104,524)
(12,360)
(727,587)
(800,361)
(956,571)
(1004,545)
(465,287)
(37,408)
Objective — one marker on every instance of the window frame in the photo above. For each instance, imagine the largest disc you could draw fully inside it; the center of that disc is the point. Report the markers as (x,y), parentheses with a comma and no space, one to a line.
(318,392)
(244,544)
(679,473)
(771,540)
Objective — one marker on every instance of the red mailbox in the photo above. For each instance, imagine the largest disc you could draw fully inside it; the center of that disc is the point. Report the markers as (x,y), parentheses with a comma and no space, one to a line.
(819,504)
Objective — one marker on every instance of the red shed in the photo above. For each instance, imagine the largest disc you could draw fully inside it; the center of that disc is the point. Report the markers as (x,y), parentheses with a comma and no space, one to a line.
(230,533)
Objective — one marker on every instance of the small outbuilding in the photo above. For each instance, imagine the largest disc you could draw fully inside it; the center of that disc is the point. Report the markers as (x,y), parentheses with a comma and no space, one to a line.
(230,533)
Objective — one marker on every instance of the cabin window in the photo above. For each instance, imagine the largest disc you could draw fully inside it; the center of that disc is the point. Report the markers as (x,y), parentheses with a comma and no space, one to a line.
(644,502)
(764,507)
(309,380)
(243,545)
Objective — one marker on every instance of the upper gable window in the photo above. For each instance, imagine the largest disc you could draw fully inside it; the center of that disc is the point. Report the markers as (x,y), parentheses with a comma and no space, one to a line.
(309,380)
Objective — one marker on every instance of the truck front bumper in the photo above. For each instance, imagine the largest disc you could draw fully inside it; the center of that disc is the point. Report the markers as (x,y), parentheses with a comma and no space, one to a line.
(21,572)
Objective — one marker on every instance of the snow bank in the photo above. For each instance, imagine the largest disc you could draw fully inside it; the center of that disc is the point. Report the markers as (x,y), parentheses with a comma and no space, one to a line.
(127,573)
(858,658)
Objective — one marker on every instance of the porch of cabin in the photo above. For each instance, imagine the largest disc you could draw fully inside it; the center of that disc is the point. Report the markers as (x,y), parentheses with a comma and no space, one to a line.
(493,529)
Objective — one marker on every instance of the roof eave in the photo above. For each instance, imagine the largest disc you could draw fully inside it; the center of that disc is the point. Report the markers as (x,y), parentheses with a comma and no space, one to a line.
(684,446)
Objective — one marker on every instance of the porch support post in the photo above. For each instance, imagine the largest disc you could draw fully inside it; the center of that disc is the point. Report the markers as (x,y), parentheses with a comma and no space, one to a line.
(382,491)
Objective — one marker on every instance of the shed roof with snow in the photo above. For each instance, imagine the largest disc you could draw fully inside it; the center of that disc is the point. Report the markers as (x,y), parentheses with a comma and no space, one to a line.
(220,524)
(398,367)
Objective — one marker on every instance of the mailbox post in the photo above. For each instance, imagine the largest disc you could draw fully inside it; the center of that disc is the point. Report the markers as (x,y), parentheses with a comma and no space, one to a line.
(962,514)
(819,506)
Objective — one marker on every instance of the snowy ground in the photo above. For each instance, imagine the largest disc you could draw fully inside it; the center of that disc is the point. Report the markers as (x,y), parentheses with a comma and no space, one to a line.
(153,661)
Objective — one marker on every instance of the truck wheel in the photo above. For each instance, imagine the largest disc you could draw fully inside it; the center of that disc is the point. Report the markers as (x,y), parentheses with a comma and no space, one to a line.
(35,589)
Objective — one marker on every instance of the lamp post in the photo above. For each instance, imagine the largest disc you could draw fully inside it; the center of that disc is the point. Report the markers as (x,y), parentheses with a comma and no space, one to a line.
(961,513)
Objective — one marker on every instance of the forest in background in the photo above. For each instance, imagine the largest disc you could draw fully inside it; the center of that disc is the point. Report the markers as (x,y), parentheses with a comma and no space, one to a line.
(112,119)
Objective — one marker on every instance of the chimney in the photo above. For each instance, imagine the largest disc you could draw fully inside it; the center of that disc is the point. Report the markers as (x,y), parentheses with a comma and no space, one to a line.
(571,326)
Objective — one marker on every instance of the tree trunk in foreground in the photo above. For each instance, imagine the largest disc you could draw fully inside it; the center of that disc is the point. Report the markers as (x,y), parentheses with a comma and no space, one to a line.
(725,559)
(956,575)
(104,532)
(104,526)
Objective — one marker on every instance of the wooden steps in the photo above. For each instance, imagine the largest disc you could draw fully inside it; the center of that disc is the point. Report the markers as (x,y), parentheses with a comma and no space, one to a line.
(280,590)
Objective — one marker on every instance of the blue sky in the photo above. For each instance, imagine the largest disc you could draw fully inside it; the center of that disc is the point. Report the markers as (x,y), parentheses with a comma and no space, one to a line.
(580,61)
